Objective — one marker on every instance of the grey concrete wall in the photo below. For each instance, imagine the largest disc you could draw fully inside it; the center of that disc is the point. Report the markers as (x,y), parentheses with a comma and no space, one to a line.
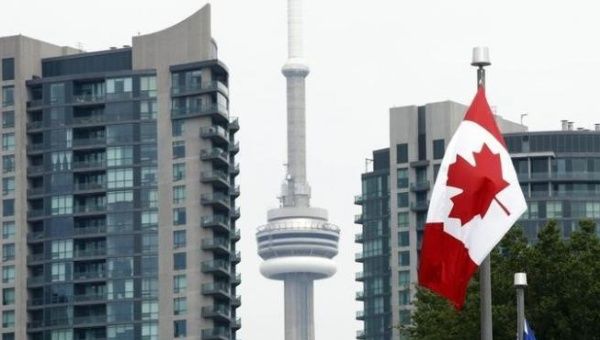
(185,42)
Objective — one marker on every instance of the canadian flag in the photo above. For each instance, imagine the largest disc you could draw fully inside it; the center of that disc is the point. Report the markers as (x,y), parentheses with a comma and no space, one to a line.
(475,201)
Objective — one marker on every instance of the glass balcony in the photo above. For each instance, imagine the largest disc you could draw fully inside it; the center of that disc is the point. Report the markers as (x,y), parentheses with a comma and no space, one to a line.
(360,315)
(360,276)
(360,296)
(358,238)
(237,258)
(35,213)
(89,119)
(101,229)
(35,125)
(214,110)
(35,169)
(219,222)
(88,98)
(91,252)
(83,142)
(35,191)
(236,235)
(219,312)
(216,134)
(90,208)
(235,192)
(234,124)
(89,275)
(89,186)
(360,334)
(216,267)
(89,165)
(237,301)
(215,177)
(419,186)
(358,219)
(237,280)
(359,257)
(237,324)
(219,245)
(236,214)
(217,333)
(195,88)
(216,155)
(419,205)
(234,148)
(90,297)
(216,199)
(216,288)
(358,199)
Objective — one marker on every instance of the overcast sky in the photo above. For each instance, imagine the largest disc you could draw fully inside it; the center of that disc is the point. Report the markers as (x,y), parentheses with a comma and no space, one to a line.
(365,57)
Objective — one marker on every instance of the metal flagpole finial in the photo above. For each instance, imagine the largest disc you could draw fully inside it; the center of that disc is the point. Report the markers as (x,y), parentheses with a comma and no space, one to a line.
(481,59)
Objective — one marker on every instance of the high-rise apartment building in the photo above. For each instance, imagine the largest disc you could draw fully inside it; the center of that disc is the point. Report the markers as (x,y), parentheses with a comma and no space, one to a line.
(394,200)
(118,189)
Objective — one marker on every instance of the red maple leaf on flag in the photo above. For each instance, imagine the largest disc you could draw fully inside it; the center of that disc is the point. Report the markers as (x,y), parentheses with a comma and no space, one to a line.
(480,184)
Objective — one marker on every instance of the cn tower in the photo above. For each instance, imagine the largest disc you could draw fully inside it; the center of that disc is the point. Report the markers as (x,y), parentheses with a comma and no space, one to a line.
(298,243)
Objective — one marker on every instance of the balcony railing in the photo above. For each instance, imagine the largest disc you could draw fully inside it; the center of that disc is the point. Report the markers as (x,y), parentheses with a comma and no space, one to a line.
(216,244)
(358,238)
(234,124)
(216,198)
(89,164)
(92,208)
(215,176)
(200,87)
(89,141)
(89,275)
(90,119)
(90,186)
(216,266)
(218,311)
(90,252)
(215,154)
(419,205)
(215,132)
(204,110)
(88,98)
(216,288)
(215,221)
(358,219)
(216,333)
(90,230)
(419,186)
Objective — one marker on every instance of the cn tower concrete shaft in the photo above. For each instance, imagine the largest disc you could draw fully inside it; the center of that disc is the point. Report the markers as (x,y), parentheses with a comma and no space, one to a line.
(299,311)
(298,243)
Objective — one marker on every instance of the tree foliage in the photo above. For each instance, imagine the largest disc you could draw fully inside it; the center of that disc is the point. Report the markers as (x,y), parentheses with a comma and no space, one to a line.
(562,300)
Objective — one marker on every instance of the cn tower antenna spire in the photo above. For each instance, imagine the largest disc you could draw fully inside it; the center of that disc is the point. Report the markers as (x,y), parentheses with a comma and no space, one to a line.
(298,243)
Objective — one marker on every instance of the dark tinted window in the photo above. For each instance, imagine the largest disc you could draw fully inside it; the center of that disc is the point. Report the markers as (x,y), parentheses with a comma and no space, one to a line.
(402,153)
(8,69)
(438,149)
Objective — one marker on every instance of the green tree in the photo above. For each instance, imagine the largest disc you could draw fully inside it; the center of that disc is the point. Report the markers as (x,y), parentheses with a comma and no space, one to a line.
(562,299)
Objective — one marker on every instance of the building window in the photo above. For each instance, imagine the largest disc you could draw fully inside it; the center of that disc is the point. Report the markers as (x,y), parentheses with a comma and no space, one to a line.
(61,205)
(62,249)
(8,274)
(178,149)
(8,185)
(555,210)
(179,261)
(402,153)
(8,296)
(8,69)
(119,155)
(403,277)
(438,149)
(8,318)
(403,220)
(120,332)
(148,153)
(402,200)
(8,207)
(8,96)
(148,109)
(179,239)
(404,317)
(8,119)
(179,194)
(59,272)
(404,297)
(8,252)
(119,178)
(178,171)
(8,163)
(149,219)
(61,160)
(403,240)
(148,86)
(149,198)
(178,127)
(148,175)
(179,306)
(402,178)
(8,336)
(404,258)
(179,216)
(149,310)
(118,88)
(8,230)
(150,331)
(8,141)
(57,93)
(436,170)
(179,329)
(179,283)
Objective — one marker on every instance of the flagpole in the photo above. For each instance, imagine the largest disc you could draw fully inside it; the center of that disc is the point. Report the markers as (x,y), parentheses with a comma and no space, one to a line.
(481,59)
(520,284)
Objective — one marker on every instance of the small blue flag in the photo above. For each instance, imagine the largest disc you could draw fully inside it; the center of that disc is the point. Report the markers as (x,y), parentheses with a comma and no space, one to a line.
(528,332)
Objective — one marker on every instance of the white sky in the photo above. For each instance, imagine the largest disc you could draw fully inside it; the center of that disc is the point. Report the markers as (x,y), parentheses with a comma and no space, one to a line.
(365,57)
